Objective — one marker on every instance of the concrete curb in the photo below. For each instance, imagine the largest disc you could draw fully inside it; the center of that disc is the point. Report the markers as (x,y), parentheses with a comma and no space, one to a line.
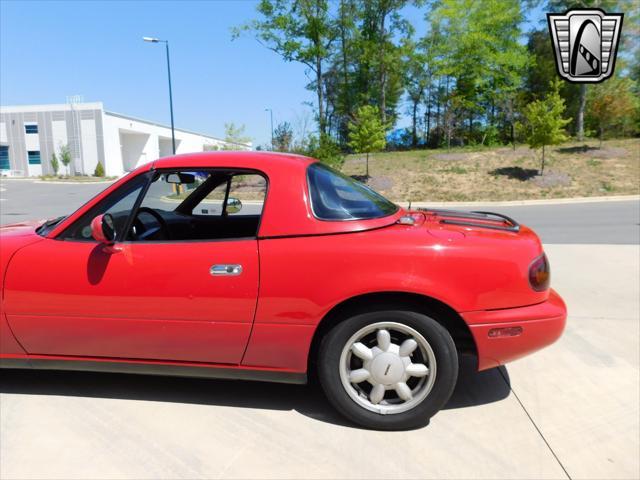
(58,182)
(209,202)
(551,201)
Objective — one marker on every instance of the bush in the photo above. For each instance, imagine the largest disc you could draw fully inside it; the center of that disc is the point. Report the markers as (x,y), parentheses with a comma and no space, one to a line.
(490,136)
(99,171)
(325,149)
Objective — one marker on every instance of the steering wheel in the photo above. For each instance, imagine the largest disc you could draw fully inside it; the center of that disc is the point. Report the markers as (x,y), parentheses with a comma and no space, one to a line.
(141,232)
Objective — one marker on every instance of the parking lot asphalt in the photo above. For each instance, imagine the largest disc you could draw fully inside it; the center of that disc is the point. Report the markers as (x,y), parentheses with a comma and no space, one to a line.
(568,411)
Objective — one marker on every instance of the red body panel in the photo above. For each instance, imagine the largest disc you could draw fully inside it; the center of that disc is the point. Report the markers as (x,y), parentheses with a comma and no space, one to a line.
(541,324)
(157,302)
(149,300)
(12,239)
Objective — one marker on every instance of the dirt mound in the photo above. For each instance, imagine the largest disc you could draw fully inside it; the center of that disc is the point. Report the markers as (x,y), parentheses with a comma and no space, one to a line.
(451,156)
(594,152)
(551,179)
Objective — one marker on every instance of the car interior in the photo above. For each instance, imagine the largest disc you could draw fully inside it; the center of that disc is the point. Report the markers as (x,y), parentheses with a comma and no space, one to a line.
(186,205)
(208,210)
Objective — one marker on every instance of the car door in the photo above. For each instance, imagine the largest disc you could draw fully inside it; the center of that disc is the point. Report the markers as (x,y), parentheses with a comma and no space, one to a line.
(136,300)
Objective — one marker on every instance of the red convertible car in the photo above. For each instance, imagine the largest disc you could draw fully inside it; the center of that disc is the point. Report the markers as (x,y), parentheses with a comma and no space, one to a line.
(274,267)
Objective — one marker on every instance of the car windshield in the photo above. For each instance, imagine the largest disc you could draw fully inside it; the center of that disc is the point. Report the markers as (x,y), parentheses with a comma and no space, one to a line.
(335,196)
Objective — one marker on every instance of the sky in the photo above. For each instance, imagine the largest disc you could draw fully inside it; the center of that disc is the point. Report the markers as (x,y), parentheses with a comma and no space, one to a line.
(50,50)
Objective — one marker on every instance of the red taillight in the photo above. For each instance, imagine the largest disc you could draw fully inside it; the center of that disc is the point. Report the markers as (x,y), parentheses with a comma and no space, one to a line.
(539,273)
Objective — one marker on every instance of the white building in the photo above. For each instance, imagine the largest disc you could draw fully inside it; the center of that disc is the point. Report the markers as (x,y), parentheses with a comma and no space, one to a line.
(30,135)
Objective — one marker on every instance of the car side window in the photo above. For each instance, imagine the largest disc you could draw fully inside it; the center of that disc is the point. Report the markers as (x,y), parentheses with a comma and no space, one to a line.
(251,191)
(192,205)
(213,203)
(170,189)
(246,197)
(119,204)
(334,196)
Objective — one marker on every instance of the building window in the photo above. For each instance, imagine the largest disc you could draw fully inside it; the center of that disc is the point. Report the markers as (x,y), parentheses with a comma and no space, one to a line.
(34,157)
(4,158)
(31,129)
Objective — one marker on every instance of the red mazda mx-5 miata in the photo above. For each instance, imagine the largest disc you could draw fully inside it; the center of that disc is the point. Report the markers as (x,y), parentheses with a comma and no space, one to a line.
(273,267)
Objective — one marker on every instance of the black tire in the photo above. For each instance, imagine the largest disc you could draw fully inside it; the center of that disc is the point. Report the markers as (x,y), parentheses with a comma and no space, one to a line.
(446,360)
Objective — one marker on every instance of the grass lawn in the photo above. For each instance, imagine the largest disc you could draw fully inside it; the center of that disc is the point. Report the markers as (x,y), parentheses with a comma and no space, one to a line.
(573,169)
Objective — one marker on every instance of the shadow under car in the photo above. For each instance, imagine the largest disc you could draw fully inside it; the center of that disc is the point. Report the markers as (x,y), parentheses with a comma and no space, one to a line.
(472,388)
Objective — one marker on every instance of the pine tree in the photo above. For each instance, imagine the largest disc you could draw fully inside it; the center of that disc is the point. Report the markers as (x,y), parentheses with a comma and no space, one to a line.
(367,132)
(546,124)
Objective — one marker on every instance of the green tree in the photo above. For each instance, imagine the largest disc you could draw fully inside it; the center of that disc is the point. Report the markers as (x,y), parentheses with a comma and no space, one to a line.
(64,152)
(55,164)
(417,79)
(425,79)
(283,137)
(299,31)
(540,72)
(343,59)
(455,105)
(367,132)
(480,56)
(234,136)
(545,122)
(607,6)
(379,69)
(365,63)
(613,104)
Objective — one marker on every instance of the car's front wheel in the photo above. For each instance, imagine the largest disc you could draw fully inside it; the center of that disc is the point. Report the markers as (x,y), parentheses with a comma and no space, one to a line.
(388,370)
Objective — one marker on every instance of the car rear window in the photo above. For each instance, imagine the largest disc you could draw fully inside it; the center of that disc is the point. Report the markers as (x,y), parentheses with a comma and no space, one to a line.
(335,196)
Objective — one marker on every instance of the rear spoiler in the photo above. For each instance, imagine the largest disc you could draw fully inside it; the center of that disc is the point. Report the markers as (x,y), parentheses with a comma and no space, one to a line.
(467,219)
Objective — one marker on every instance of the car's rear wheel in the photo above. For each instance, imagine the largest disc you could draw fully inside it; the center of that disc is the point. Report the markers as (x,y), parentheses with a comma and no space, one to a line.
(388,370)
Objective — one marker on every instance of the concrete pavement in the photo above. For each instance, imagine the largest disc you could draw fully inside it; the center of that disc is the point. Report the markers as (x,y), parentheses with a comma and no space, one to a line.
(583,392)
(570,410)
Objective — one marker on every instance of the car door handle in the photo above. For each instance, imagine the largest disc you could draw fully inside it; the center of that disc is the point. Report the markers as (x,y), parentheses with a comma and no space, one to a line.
(231,269)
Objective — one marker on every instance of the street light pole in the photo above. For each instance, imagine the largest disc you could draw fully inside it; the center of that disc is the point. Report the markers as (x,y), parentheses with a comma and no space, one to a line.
(166,44)
(271,115)
(173,132)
